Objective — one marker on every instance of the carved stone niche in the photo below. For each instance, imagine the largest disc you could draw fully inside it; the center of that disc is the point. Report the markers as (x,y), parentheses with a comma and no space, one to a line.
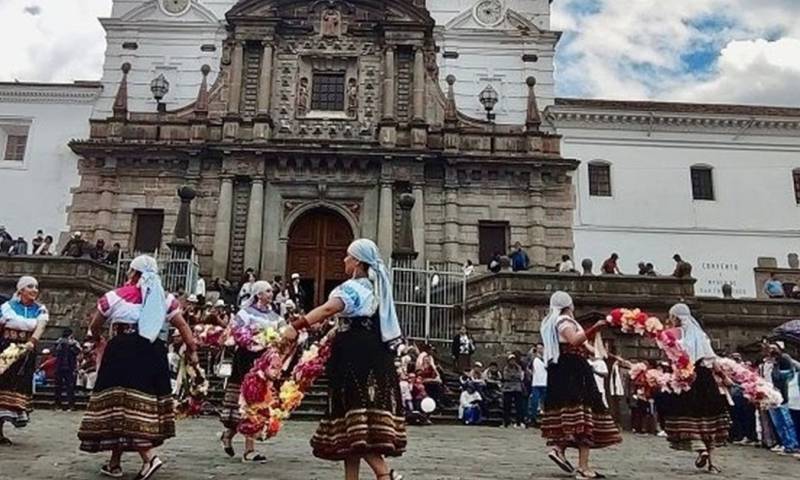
(320,64)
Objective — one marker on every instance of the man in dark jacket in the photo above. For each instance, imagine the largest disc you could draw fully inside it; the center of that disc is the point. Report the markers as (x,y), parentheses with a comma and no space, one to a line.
(66,351)
(75,247)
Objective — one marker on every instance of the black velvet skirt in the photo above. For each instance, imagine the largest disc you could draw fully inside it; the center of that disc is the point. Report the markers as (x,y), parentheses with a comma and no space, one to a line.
(131,407)
(574,412)
(698,419)
(365,410)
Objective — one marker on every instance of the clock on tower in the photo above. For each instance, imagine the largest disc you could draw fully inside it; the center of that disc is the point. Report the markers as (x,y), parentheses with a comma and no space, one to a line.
(489,12)
(175,7)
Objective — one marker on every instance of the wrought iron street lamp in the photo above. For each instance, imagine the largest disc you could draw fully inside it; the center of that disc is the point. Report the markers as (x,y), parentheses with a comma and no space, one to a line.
(160,87)
(488,99)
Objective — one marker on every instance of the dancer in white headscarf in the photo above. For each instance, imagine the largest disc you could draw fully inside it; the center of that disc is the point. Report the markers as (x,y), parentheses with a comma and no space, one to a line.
(696,420)
(364,418)
(131,408)
(256,314)
(22,322)
(575,415)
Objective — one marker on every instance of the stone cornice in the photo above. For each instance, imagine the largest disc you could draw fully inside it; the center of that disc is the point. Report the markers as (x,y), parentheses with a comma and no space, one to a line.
(75,93)
(684,118)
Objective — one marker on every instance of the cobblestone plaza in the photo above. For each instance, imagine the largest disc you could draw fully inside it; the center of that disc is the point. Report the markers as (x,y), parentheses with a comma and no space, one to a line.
(48,449)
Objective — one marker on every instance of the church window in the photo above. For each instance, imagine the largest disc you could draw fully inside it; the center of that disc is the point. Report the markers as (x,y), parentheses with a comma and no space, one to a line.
(599,179)
(327,91)
(492,239)
(796,178)
(148,227)
(13,141)
(702,183)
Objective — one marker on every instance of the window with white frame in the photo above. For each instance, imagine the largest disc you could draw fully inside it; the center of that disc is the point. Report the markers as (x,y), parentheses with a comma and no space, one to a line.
(13,140)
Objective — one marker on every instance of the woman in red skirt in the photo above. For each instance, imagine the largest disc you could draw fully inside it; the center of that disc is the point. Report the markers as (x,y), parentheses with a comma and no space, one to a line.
(575,415)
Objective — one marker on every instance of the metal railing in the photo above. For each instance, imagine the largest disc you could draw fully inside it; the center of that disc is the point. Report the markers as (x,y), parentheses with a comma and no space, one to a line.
(430,300)
(176,273)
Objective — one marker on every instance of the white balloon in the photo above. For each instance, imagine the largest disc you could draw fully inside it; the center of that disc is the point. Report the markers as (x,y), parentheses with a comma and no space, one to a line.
(428,405)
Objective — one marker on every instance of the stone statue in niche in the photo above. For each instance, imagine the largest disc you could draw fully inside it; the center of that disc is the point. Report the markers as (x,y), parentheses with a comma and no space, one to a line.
(302,97)
(331,23)
(352,98)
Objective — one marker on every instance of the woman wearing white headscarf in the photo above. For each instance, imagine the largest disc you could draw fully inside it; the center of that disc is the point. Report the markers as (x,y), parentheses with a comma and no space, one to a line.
(575,415)
(131,408)
(365,417)
(696,420)
(22,322)
(256,314)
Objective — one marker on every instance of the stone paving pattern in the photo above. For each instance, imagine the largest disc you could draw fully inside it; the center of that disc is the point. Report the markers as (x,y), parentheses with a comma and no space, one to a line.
(48,449)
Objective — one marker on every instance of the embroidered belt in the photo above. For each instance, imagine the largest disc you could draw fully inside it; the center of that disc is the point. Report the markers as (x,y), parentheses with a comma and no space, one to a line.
(124,328)
(16,335)
(346,324)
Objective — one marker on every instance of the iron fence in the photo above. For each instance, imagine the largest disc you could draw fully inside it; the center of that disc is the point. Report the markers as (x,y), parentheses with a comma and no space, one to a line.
(177,274)
(430,300)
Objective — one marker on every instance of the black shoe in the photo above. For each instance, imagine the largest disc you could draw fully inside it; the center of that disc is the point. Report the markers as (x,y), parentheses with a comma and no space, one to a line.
(227,445)
(253,457)
(561,461)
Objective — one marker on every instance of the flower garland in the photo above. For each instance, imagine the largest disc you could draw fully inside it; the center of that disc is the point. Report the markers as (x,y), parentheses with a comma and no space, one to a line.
(210,336)
(254,339)
(192,405)
(10,355)
(264,404)
(680,379)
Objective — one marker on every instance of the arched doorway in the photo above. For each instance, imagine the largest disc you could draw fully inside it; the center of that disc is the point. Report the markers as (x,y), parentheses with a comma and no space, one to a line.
(318,242)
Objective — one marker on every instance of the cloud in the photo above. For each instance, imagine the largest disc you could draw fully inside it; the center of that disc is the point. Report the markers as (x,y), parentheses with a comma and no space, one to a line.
(33,10)
(61,42)
(691,50)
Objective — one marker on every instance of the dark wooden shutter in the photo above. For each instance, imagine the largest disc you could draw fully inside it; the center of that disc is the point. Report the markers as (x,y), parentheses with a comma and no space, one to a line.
(149,226)
(492,238)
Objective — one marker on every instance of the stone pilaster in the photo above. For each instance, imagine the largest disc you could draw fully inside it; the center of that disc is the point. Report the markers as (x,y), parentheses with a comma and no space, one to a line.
(255,216)
(265,80)
(451,210)
(222,228)
(419,85)
(388,123)
(418,220)
(235,82)
(386,220)
(536,212)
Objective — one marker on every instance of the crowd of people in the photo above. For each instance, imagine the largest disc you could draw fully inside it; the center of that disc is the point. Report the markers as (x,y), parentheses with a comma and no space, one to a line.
(44,245)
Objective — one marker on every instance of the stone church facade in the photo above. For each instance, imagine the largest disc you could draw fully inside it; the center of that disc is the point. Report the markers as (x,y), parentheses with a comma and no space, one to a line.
(322,115)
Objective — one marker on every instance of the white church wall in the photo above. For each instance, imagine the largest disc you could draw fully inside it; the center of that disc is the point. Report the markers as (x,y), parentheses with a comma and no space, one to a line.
(652,215)
(37,189)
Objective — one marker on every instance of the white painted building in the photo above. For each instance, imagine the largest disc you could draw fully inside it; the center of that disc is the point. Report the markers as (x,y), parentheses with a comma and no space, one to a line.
(719,184)
(37,168)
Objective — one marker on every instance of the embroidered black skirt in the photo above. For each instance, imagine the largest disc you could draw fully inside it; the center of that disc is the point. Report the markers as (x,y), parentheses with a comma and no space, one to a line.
(16,383)
(698,419)
(574,412)
(243,361)
(365,410)
(131,406)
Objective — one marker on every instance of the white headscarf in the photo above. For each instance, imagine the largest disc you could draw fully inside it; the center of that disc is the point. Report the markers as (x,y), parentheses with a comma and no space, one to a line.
(549,330)
(693,338)
(154,302)
(24,281)
(366,251)
(258,288)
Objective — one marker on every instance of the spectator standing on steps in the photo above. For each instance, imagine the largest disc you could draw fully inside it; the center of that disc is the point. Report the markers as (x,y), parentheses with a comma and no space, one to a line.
(683,269)
(519,259)
(513,374)
(67,350)
(538,384)
(462,349)
(610,265)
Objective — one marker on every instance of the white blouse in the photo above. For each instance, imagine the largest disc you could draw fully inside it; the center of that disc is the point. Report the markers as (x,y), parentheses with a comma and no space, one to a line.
(358,296)
(14,315)
(258,319)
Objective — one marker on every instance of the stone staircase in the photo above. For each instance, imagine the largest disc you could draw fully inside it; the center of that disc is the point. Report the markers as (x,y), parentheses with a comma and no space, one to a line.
(313,407)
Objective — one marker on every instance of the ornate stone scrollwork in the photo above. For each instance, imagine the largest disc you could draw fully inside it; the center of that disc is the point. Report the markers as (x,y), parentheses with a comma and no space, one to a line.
(352,98)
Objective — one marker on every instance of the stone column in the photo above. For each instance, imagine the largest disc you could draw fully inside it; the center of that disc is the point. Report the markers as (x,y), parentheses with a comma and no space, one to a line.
(235,85)
(419,85)
(386,220)
(104,210)
(451,230)
(388,84)
(536,232)
(222,228)
(255,215)
(265,80)
(418,220)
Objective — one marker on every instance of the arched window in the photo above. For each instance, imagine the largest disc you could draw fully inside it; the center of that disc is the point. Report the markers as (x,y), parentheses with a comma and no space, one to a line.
(702,182)
(599,178)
